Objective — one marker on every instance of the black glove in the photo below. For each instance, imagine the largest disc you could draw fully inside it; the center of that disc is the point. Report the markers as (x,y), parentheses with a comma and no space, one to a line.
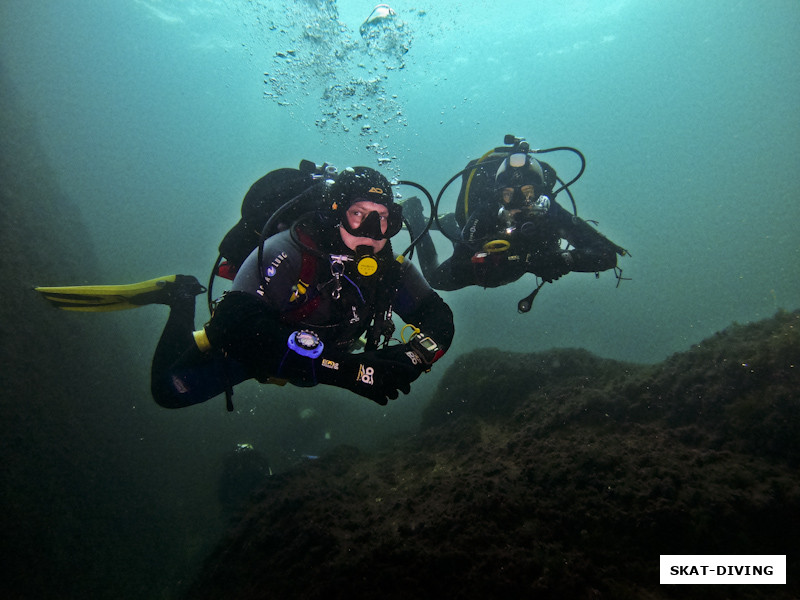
(378,375)
(551,266)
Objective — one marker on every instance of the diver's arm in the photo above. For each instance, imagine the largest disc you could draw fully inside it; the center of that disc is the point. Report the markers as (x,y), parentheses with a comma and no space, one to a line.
(591,251)
(246,324)
(281,259)
(247,330)
(480,225)
(419,305)
(269,350)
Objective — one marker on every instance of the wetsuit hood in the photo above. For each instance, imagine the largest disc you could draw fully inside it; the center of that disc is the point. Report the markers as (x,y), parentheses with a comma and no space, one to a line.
(356,184)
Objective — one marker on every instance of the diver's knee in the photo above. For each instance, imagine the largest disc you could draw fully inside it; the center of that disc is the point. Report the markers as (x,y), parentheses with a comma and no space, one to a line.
(171,393)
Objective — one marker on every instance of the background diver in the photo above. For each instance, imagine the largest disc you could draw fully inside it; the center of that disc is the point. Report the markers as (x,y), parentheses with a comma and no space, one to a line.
(507,223)
(300,301)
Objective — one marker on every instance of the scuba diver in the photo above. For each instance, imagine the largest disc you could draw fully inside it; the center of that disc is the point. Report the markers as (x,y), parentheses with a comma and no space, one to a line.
(508,223)
(307,285)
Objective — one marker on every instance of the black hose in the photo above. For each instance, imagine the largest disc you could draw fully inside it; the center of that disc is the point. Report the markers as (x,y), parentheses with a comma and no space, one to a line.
(414,240)
(446,185)
(565,186)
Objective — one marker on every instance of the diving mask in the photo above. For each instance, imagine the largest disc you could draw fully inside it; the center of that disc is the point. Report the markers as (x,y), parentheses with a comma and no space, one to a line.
(518,196)
(375,226)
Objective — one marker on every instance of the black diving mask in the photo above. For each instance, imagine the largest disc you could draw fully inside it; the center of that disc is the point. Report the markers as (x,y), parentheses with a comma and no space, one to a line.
(372,225)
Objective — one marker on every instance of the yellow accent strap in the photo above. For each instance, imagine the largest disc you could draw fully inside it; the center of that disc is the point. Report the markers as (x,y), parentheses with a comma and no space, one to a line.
(416,331)
(201,340)
(496,246)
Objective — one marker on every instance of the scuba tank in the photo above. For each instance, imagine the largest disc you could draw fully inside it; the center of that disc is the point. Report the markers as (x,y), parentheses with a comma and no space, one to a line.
(264,198)
(279,198)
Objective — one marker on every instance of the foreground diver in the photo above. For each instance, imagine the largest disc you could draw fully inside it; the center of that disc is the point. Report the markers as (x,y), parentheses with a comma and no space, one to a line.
(511,225)
(299,305)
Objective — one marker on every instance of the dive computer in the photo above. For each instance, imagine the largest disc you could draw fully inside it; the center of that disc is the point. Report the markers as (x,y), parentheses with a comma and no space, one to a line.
(424,347)
(305,343)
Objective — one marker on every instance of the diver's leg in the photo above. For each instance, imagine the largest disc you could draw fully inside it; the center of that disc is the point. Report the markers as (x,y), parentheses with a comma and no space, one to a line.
(453,274)
(428,258)
(182,375)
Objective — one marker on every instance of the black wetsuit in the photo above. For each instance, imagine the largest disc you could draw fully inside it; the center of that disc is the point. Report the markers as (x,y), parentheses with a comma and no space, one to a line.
(534,246)
(310,282)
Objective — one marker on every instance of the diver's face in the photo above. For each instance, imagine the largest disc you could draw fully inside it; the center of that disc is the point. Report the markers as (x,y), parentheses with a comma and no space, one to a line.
(518,195)
(355,216)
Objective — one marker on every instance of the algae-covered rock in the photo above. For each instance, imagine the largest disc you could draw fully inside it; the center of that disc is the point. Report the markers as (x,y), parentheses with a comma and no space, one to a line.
(550,475)
(490,383)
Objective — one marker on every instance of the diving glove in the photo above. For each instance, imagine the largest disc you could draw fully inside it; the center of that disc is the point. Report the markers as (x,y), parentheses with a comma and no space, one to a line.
(551,266)
(379,375)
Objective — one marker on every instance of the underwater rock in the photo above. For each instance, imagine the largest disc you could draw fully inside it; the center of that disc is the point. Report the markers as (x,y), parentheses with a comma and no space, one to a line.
(244,468)
(489,383)
(549,475)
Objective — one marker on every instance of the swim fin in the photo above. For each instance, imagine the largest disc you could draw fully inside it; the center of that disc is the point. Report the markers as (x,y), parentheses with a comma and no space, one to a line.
(104,298)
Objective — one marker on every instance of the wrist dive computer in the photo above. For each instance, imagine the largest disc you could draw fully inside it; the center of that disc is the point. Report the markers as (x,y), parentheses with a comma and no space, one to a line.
(305,343)
(425,347)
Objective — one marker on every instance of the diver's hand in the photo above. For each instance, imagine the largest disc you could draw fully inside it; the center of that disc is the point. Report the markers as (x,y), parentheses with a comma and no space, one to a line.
(551,266)
(378,375)
(404,356)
